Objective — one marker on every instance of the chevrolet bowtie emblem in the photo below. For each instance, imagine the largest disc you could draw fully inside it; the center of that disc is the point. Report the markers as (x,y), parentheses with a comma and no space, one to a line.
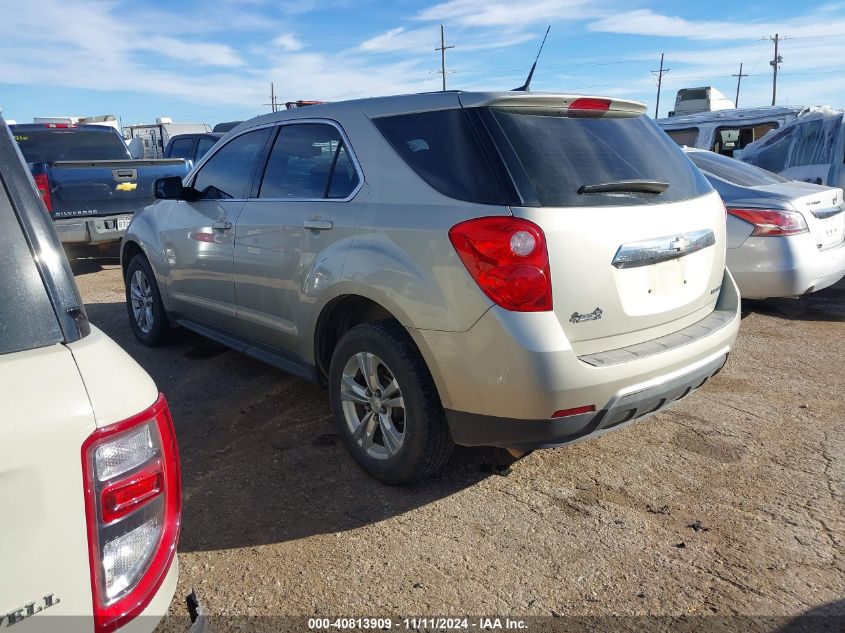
(127,186)
(680,244)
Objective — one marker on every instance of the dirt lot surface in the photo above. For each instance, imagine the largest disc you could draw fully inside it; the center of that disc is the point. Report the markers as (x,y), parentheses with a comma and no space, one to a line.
(731,503)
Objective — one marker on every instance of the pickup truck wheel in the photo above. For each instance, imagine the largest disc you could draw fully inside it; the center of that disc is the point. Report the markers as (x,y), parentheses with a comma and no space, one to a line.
(143,302)
(385,404)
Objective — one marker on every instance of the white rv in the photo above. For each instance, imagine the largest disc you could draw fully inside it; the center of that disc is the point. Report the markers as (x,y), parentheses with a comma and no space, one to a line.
(703,99)
(154,137)
(727,131)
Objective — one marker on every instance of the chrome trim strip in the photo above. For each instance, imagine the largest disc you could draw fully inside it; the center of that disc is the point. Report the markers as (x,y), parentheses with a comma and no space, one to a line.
(661,249)
(824,214)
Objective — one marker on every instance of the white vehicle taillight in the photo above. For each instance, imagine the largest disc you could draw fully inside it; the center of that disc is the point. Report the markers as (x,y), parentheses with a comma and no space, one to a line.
(133,502)
(771,222)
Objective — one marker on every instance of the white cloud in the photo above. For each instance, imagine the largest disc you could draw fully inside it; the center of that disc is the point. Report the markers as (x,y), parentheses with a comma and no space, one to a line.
(647,22)
(401,39)
(287,42)
(509,14)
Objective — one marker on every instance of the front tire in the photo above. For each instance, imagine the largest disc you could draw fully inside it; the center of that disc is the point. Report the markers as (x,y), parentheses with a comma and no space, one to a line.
(385,404)
(147,315)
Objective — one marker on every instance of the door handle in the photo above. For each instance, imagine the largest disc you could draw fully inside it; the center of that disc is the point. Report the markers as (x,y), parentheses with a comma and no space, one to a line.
(221,225)
(317,225)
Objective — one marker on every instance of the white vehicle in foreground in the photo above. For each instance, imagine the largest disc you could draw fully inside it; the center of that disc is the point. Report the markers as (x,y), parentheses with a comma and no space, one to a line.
(89,468)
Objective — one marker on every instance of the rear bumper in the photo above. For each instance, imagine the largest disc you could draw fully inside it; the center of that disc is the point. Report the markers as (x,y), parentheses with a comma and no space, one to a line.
(502,381)
(784,266)
(630,405)
(99,230)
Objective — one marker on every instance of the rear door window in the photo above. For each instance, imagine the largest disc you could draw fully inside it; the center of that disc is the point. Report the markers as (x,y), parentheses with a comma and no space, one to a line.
(559,154)
(727,140)
(308,162)
(181,148)
(54,144)
(203,145)
(687,137)
(229,173)
(27,319)
(443,149)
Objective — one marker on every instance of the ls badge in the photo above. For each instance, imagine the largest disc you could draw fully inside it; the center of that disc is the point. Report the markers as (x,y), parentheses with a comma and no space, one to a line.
(127,186)
(577,317)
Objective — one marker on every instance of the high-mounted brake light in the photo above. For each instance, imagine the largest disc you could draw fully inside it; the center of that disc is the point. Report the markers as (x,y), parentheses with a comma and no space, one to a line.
(771,222)
(590,103)
(60,125)
(42,182)
(133,503)
(507,258)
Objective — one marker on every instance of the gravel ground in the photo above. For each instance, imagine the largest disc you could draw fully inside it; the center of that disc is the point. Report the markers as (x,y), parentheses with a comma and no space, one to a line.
(731,503)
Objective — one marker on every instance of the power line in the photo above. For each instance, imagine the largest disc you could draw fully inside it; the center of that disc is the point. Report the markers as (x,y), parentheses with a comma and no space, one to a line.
(443,48)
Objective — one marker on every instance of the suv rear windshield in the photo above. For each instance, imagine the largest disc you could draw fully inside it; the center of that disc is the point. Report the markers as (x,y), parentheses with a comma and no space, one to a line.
(488,155)
(560,153)
(27,319)
(52,144)
(734,171)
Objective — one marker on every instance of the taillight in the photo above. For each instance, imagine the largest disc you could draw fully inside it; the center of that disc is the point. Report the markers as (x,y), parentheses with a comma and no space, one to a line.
(771,222)
(42,183)
(133,503)
(507,258)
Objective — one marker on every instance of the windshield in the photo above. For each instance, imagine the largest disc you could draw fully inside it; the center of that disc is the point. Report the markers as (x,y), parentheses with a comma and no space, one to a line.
(49,145)
(596,160)
(734,171)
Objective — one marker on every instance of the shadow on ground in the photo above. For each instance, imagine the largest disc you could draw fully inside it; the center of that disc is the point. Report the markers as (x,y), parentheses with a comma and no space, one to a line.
(261,462)
(824,305)
(89,265)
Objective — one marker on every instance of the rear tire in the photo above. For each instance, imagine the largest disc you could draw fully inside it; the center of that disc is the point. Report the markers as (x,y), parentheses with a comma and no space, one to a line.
(147,315)
(385,404)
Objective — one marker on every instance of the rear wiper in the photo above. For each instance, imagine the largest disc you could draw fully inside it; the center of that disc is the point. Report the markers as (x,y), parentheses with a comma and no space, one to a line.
(626,186)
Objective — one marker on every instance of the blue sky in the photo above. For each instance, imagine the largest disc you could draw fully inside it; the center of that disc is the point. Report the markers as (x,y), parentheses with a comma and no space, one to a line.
(208,62)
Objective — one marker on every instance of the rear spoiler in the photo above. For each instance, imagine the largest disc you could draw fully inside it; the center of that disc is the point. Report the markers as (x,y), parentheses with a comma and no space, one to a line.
(556,104)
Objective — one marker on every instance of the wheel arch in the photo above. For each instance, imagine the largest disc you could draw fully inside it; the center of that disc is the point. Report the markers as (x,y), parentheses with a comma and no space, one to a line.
(337,317)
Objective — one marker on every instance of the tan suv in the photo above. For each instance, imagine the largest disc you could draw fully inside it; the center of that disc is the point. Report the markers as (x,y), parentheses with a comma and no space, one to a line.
(510,269)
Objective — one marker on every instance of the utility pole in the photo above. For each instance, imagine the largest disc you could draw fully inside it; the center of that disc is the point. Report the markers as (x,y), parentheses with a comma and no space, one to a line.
(659,74)
(274,105)
(738,81)
(775,64)
(442,50)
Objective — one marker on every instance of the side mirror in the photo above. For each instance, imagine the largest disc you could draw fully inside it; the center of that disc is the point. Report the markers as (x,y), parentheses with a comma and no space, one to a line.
(169,188)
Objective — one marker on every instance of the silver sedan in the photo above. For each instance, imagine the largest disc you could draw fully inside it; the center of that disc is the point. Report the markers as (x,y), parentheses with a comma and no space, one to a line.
(785,238)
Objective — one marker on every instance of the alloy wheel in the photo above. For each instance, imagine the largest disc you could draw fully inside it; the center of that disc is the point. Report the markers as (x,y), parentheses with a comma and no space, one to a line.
(373,405)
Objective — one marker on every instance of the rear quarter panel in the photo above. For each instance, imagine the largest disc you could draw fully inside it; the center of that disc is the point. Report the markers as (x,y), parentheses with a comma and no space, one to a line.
(401,256)
(44,544)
